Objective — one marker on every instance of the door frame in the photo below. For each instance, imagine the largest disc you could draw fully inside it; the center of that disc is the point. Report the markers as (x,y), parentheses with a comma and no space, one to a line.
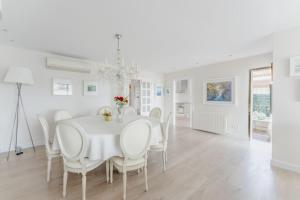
(190,87)
(250,97)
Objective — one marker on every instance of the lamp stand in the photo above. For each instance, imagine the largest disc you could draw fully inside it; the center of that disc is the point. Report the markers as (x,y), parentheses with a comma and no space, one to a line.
(15,128)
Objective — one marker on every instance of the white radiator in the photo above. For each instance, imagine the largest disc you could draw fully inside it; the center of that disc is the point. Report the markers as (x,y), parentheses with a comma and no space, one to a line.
(214,122)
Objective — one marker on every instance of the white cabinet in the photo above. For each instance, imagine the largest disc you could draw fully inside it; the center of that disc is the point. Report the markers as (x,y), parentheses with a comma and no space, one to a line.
(181,86)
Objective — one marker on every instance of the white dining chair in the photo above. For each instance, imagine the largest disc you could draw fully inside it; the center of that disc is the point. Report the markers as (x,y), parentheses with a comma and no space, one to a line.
(72,140)
(49,150)
(162,146)
(129,111)
(155,113)
(134,141)
(62,115)
(103,109)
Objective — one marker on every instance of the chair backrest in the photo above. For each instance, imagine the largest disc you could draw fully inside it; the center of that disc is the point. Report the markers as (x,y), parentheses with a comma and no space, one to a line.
(45,127)
(165,130)
(62,115)
(72,140)
(155,113)
(103,109)
(135,138)
(129,111)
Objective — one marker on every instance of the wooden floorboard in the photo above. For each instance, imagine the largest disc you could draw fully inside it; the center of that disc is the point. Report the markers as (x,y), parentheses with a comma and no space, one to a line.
(200,166)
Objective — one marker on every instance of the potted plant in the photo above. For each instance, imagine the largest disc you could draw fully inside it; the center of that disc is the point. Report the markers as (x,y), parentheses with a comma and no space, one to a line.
(107,116)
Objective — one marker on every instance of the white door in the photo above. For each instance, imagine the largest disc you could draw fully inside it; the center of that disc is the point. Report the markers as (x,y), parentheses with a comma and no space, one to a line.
(146,98)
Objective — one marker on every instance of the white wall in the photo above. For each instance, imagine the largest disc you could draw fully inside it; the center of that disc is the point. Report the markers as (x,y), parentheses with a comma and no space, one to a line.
(39,99)
(286,102)
(238,115)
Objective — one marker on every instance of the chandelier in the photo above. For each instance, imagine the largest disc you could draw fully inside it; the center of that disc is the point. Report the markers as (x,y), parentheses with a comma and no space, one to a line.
(119,71)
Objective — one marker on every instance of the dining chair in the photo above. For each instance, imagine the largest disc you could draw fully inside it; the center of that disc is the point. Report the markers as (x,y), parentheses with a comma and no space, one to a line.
(162,146)
(129,111)
(155,113)
(49,150)
(73,143)
(62,115)
(103,109)
(134,141)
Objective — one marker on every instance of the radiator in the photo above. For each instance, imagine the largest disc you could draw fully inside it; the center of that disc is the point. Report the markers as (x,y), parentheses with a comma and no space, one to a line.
(214,122)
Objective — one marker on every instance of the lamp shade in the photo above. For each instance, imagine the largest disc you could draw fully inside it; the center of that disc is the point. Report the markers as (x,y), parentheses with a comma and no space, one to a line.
(19,75)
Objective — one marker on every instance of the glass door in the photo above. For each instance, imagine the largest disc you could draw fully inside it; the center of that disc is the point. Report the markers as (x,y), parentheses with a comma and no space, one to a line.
(146,97)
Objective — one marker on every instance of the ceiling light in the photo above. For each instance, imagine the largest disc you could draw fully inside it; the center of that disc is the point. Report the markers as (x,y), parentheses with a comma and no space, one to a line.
(119,71)
(4,30)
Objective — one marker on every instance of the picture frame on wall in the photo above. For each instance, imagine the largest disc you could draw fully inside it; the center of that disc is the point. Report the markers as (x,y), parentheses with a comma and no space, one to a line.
(221,91)
(62,87)
(158,91)
(168,91)
(295,66)
(90,88)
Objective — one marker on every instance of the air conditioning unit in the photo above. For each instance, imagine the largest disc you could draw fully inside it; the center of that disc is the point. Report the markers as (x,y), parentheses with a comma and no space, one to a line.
(66,64)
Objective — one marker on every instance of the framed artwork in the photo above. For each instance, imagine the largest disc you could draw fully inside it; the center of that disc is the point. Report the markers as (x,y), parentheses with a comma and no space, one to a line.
(167,91)
(219,91)
(158,91)
(62,87)
(295,66)
(90,88)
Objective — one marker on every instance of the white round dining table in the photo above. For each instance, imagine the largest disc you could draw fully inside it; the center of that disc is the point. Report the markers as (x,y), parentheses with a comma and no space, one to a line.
(104,137)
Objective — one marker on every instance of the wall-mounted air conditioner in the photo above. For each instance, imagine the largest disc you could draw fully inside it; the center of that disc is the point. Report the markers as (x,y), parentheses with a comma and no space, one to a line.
(71,65)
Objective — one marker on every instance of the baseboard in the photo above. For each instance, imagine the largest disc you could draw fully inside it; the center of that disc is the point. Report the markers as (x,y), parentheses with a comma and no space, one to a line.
(284,165)
(26,149)
(229,135)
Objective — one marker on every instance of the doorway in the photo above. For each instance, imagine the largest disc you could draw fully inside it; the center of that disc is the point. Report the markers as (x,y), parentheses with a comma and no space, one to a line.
(260,104)
(182,103)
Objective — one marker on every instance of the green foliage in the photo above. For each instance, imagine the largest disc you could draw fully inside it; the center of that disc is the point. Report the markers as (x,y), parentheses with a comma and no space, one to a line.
(262,103)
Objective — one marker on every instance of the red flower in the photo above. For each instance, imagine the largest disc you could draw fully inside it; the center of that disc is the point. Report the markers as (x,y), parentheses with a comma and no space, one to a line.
(121,100)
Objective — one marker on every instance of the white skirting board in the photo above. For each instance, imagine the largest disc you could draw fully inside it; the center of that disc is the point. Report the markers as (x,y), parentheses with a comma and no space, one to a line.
(284,165)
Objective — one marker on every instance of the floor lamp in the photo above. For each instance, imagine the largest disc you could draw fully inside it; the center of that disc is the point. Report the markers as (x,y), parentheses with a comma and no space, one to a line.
(19,76)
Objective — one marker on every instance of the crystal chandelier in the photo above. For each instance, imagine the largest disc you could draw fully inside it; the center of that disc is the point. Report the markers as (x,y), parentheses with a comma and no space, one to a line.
(119,71)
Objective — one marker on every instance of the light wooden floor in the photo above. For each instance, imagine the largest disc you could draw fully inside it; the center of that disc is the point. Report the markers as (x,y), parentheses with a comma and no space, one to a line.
(182,122)
(201,166)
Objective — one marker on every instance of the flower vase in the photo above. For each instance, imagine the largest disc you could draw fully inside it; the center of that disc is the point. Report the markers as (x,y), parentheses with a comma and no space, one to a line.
(120,115)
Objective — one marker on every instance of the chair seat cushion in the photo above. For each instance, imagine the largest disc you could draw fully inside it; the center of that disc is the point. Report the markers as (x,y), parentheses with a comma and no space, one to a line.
(90,164)
(157,147)
(120,160)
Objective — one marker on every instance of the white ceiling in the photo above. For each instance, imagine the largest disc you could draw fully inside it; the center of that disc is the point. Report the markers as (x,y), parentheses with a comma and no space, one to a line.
(161,35)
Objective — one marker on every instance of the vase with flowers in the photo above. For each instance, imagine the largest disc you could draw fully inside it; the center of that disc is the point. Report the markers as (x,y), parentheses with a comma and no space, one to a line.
(120,102)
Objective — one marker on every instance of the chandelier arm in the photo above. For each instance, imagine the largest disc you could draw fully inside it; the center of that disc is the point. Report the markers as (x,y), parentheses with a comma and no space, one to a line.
(119,71)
